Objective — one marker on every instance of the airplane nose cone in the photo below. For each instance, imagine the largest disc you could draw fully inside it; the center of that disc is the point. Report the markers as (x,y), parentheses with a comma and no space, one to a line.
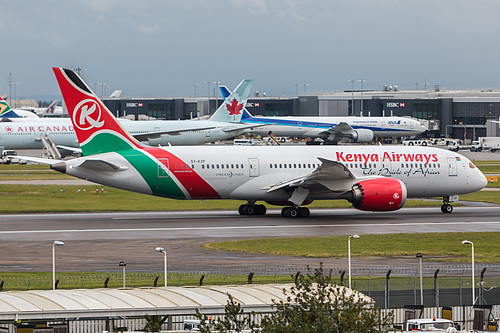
(478,181)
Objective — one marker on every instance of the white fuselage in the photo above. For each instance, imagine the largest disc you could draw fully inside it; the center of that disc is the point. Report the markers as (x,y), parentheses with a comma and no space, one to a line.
(314,126)
(26,134)
(247,172)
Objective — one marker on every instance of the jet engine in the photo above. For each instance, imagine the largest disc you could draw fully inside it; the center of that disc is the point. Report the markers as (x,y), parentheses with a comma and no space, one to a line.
(380,194)
(362,135)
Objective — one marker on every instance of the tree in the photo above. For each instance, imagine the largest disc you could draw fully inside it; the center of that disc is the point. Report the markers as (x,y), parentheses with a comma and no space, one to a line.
(314,304)
(233,321)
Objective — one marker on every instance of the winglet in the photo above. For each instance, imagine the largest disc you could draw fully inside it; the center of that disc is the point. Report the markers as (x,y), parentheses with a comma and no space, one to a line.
(96,128)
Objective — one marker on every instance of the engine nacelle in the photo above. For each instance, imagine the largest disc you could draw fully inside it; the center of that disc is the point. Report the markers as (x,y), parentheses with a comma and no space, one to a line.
(362,135)
(380,194)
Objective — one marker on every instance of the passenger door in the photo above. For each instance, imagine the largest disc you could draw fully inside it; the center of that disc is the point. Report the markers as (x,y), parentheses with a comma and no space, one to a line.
(452,166)
(253,164)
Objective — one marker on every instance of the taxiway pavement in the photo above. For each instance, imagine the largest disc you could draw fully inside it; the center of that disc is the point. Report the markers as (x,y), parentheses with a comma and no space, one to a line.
(98,241)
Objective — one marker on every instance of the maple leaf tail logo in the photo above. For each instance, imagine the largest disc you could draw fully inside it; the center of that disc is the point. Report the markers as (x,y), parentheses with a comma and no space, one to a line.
(234,108)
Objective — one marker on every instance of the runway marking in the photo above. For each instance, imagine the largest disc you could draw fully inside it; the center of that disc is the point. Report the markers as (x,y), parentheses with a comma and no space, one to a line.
(242,227)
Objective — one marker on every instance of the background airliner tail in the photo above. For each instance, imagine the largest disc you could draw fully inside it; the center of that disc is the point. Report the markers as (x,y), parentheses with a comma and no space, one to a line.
(225,94)
(6,111)
(232,108)
(96,128)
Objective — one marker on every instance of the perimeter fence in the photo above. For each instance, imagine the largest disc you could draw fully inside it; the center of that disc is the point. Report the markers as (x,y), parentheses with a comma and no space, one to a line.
(389,286)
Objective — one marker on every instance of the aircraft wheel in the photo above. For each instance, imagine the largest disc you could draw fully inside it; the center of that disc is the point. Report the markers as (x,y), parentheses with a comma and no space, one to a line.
(260,210)
(251,210)
(293,212)
(242,210)
(447,208)
(284,211)
(304,212)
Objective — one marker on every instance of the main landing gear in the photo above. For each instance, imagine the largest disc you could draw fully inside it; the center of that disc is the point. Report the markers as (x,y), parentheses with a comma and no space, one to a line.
(446,207)
(251,208)
(295,212)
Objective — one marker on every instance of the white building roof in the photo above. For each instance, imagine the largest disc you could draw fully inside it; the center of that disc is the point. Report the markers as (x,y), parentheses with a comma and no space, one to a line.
(81,303)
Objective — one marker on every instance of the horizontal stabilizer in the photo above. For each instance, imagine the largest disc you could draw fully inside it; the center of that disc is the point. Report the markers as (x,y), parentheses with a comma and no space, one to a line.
(40,160)
(101,165)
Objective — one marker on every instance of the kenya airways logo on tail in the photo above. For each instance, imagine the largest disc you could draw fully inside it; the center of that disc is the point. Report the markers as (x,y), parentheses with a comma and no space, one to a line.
(87,115)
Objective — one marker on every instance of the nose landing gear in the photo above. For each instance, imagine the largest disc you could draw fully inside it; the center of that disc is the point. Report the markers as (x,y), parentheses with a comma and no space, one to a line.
(446,207)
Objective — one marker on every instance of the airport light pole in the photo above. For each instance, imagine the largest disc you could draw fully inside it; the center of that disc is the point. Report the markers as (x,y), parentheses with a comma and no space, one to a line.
(56,243)
(352,96)
(349,255)
(161,249)
(465,242)
(123,265)
(78,70)
(195,86)
(420,256)
(208,84)
(361,95)
(216,93)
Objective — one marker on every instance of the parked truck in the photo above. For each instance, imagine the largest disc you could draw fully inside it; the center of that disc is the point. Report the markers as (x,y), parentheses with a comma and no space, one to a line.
(491,143)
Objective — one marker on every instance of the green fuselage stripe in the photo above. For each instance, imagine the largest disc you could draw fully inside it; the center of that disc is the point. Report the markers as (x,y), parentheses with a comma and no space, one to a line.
(159,182)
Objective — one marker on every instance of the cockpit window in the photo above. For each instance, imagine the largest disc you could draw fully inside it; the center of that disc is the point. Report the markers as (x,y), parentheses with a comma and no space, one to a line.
(471,165)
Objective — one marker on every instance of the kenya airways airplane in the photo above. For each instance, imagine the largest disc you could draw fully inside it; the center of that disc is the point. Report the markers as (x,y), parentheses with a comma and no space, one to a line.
(372,178)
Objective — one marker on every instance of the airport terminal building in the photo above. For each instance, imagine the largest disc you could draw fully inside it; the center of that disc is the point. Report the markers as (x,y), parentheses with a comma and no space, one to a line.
(461,114)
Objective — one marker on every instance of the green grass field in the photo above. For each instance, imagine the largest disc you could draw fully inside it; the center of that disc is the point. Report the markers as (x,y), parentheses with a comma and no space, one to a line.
(434,246)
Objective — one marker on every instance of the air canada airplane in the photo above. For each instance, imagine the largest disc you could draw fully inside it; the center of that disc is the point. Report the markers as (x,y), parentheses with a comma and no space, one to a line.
(374,178)
(23,133)
(333,129)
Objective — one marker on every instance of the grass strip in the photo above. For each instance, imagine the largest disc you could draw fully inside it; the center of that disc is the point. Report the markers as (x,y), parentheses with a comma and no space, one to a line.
(73,198)
(434,246)
(18,281)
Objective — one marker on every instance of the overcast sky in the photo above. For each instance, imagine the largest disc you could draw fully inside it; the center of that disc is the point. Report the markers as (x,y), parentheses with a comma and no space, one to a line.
(161,48)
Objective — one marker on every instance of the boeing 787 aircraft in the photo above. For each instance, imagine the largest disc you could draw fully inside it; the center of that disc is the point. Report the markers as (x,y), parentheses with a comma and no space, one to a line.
(372,178)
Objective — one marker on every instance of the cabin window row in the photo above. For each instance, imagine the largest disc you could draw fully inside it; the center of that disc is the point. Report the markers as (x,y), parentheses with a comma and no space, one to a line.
(221,166)
(293,166)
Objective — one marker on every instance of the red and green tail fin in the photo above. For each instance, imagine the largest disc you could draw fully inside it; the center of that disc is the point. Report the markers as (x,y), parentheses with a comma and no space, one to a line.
(96,128)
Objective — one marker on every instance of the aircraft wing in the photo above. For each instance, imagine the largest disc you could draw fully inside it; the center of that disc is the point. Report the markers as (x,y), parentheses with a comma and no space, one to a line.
(242,127)
(330,174)
(153,135)
(342,128)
